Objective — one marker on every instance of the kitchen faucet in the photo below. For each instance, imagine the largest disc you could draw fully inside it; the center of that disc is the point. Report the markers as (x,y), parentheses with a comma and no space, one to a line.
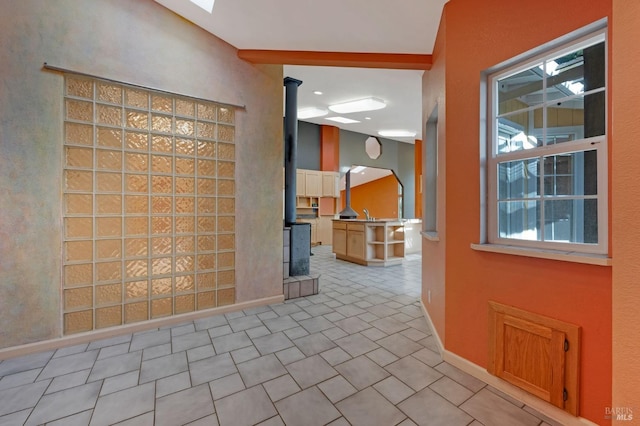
(366,214)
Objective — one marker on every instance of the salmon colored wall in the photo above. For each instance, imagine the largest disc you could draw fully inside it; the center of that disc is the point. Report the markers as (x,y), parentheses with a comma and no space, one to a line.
(418,177)
(480,35)
(379,196)
(329,148)
(626,232)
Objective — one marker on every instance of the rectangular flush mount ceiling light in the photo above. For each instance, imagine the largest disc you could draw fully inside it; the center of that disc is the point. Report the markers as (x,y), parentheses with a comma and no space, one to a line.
(342,120)
(396,133)
(368,104)
(311,112)
(205,4)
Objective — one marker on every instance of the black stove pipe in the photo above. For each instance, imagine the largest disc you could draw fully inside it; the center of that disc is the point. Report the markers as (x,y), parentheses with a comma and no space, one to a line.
(290,148)
(348,212)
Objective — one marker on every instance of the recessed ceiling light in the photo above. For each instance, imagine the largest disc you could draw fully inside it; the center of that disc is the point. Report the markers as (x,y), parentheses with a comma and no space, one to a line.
(342,120)
(368,104)
(367,118)
(397,133)
(204,4)
(317,92)
(311,112)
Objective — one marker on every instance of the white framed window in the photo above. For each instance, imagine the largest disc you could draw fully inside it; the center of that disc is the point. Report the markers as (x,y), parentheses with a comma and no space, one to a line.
(547,149)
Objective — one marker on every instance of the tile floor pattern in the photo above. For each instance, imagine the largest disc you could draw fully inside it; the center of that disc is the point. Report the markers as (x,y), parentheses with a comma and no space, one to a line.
(358,353)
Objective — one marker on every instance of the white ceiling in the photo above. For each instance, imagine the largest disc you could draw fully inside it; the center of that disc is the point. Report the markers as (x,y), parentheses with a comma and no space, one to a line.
(374,26)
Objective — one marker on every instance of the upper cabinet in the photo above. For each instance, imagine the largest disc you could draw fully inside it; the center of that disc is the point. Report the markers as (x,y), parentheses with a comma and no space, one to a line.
(314,183)
(330,184)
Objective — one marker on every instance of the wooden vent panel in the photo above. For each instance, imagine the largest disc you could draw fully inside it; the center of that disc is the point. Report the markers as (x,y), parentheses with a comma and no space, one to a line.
(536,353)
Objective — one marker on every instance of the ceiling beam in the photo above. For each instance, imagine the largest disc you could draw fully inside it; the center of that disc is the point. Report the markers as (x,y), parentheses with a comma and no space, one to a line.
(404,61)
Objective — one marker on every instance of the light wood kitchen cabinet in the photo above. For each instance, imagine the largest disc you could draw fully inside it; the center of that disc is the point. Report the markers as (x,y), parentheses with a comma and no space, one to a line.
(300,183)
(313,183)
(355,241)
(339,239)
(370,243)
(330,184)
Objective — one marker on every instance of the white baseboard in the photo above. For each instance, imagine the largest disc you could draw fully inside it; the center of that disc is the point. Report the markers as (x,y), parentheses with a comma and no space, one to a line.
(480,373)
(76,339)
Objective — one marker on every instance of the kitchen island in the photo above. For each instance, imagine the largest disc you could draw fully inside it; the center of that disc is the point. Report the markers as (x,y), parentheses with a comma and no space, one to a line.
(369,242)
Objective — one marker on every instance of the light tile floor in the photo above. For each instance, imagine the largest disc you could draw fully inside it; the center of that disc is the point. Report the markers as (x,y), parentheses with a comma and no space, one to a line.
(358,353)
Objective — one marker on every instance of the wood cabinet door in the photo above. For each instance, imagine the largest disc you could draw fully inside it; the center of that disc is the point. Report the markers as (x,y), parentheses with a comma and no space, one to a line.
(300,183)
(313,183)
(330,184)
(355,244)
(340,241)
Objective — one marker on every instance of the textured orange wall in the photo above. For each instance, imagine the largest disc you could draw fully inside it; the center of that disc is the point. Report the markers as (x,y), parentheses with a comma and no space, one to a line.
(379,196)
(626,232)
(478,36)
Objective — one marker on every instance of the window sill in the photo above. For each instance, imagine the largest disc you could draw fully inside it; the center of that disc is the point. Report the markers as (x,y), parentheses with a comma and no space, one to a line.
(565,256)
(430,235)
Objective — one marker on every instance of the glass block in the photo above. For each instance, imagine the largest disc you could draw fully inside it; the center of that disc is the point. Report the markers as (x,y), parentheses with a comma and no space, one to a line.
(135,312)
(207,224)
(226,169)
(226,133)
(226,242)
(161,205)
(77,251)
(134,247)
(161,266)
(226,187)
(76,180)
(109,204)
(185,146)
(226,115)
(185,263)
(78,157)
(136,183)
(109,137)
(185,166)
(108,160)
(185,244)
(206,167)
(185,127)
(161,164)
(79,110)
(137,141)
(185,303)
(226,296)
(206,186)
(162,103)
(108,226)
(206,261)
(137,290)
(137,120)
(161,184)
(136,226)
(206,130)
(136,162)
(207,111)
(110,115)
(161,307)
(185,205)
(161,143)
(77,322)
(161,286)
(108,317)
(161,123)
(79,87)
(76,298)
(206,242)
(107,92)
(78,203)
(226,151)
(108,294)
(206,281)
(226,205)
(81,134)
(185,225)
(185,283)
(226,279)
(108,271)
(108,249)
(78,227)
(206,205)
(185,185)
(161,225)
(136,204)
(136,98)
(185,108)
(161,245)
(108,182)
(226,260)
(206,300)
(76,275)
(137,268)
(206,149)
